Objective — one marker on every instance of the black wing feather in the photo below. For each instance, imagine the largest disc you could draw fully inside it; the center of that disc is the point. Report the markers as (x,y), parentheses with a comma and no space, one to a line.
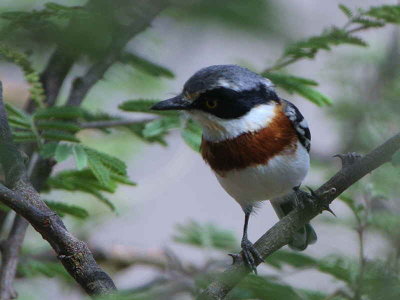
(299,123)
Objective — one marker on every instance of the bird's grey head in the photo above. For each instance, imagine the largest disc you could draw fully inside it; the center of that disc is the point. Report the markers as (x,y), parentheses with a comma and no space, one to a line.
(222,91)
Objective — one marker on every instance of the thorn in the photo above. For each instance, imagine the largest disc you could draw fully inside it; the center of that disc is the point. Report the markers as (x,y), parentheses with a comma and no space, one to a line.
(327,208)
(348,158)
(235,257)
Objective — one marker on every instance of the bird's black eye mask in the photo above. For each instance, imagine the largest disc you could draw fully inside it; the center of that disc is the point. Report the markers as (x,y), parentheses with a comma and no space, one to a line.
(229,104)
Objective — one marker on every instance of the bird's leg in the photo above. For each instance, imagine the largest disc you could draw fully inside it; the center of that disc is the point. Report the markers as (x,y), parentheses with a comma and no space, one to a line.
(251,256)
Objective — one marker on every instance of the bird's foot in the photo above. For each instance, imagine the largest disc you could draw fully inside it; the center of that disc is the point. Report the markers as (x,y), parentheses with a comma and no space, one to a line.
(303,198)
(250,255)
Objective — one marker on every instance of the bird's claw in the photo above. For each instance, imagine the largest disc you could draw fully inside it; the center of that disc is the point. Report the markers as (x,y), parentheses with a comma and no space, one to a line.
(303,198)
(251,256)
(235,257)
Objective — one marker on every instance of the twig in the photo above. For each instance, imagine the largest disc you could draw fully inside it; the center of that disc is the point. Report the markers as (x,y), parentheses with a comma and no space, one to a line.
(146,12)
(362,225)
(121,257)
(54,75)
(362,261)
(73,253)
(3,217)
(281,233)
(12,246)
(57,69)
(113,123)
(282,62)
(10,249)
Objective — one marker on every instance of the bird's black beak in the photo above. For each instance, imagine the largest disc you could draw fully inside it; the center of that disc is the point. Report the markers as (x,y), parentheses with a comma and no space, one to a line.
(175,103)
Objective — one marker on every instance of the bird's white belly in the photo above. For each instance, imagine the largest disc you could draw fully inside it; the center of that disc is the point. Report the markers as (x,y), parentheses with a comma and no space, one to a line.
(264,182)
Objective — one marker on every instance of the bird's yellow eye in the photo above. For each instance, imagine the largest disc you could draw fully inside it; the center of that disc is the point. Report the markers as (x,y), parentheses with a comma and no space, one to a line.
(211,104)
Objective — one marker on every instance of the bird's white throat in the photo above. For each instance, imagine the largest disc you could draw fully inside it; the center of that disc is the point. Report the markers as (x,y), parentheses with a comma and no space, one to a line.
(216,129)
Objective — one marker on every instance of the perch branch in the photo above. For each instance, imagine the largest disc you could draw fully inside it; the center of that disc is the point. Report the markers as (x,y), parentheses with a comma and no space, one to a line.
(24,200)
(281,233)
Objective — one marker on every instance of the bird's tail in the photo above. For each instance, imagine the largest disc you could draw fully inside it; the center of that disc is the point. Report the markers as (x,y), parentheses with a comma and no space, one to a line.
(304,236)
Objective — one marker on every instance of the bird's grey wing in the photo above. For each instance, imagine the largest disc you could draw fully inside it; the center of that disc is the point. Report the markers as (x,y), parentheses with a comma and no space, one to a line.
(299,123)
(305,235)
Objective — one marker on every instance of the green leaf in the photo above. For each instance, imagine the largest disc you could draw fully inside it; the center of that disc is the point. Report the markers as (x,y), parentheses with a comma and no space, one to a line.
(314,96)
(396,159)
(138,129)
(104,200)
(161,126)
(308,48)
(339,268)
(145,65)
(346,10)
(265,288)
(59,112)
(291,258)
(33,268)
(49,150)
(63,151)
(205,236)
(19,123)
(31,76)
(144,106)
(80,157)
(58,125)
(293,84)
(122,179)
(368,22)
(67,209)
(18,119)
(112,163)
(315,295)
(24,136)
(17,113)
(191,134)
(387,13)
(99,170)
(83,181)
(356,209)
(54,135)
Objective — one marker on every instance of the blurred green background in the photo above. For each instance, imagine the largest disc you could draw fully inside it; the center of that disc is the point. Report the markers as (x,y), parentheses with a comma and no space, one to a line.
(172,230)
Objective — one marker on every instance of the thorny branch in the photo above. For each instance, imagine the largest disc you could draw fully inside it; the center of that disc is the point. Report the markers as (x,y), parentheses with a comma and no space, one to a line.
(353,169)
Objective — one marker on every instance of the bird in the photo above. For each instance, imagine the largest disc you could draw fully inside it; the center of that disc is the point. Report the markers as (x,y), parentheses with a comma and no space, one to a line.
(256,143)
